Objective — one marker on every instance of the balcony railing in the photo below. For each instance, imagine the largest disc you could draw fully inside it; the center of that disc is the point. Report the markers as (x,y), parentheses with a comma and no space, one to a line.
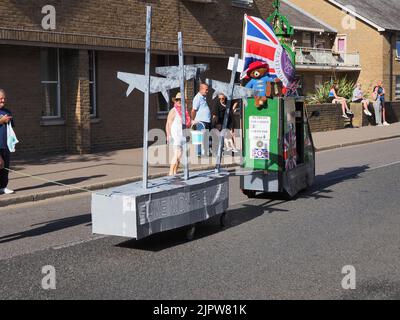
(324,58)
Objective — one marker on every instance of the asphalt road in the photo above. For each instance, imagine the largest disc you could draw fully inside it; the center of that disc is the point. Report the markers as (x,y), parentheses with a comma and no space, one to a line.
(272,249)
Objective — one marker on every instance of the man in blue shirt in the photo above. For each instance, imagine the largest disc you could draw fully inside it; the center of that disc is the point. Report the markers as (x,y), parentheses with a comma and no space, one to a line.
(201,113)
(381,97)
(5,118)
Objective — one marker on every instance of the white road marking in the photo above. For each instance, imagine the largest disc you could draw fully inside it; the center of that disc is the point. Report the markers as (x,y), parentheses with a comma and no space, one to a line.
(75,243)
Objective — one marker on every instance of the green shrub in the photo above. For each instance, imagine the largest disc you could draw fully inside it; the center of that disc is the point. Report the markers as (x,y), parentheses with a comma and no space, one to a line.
(321,94)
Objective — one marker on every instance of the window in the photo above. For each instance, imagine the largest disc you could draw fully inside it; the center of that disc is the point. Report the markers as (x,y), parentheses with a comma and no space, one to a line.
(320,42)
(397,92)
(307,40)
(299,83)
(398,46)
(341,44)
(50,63)
(318,81)
(242,3)
(92,84)
(165,61)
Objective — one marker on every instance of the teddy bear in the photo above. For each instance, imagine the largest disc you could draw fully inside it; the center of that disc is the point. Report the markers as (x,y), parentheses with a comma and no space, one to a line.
(262,83)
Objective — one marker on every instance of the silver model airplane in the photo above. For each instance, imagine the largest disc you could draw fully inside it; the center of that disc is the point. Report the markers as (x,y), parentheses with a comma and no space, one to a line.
(157,84)
(223,87)
(191,71)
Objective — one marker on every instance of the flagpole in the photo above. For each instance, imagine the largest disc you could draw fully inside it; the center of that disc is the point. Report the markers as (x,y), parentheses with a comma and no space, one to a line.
(146,99)
(183,107)
(227,113)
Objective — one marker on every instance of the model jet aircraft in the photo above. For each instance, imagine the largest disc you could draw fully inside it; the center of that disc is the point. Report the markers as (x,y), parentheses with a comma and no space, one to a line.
(158,84)
(223,87)
(191,71)
(138,81)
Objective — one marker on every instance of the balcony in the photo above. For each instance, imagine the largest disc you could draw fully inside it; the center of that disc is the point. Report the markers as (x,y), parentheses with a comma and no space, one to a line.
(325,59)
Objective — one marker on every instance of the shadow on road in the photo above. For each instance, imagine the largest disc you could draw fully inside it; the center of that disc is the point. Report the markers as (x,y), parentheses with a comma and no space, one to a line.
(234,218)
(48,227)
(67,182)
(320,189)
(246,212)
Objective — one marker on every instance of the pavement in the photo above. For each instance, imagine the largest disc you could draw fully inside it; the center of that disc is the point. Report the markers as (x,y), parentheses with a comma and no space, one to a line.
(40,178)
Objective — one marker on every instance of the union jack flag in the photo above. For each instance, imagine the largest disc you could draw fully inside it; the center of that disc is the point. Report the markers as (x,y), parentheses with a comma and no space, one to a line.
(290,150)
(261,44)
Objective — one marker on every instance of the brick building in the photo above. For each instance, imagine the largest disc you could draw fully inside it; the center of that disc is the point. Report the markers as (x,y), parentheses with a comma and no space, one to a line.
(369,27)
(318,58)
(59,60)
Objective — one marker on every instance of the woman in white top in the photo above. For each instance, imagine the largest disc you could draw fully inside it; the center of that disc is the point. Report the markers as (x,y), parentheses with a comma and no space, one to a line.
(174,131)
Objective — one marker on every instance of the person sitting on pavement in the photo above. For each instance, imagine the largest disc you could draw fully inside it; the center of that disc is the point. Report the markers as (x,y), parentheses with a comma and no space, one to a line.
(334,98)
(358,97)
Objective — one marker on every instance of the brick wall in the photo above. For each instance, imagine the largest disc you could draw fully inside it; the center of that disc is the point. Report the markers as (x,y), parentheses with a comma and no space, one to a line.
(116,30)
(20,76)
(77,100)
(120,122)
(330,117)
(363,39)
(392,112)
(120,117)
(392,69)
(209,28)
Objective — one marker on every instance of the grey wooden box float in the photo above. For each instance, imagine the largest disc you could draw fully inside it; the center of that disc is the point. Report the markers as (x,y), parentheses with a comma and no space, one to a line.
(168,203)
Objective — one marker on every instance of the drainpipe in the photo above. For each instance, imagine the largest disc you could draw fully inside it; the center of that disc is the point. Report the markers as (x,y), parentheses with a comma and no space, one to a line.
(391,66)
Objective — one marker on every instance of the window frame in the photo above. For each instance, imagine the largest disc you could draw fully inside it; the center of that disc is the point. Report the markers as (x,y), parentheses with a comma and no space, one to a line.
(397,46)
(397,88)
(93,93)
(318,81)
(303,38)
(169,62)
(243,3)
(344,38)
(58,82)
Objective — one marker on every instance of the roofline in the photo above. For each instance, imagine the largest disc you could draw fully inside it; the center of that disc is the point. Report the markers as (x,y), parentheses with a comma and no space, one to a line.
(331,29)
(354,13)
(299,28)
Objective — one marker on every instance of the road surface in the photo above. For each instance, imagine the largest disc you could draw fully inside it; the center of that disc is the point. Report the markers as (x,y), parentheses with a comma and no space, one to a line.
(272,249)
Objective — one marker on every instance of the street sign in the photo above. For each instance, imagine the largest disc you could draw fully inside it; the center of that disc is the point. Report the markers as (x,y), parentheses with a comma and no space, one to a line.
(240,66)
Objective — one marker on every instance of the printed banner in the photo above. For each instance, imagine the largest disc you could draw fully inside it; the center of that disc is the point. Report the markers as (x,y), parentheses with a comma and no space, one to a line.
(259,137)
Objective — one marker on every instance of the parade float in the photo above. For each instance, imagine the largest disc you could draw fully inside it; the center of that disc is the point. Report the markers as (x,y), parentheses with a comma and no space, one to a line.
(278,150)
(278,153)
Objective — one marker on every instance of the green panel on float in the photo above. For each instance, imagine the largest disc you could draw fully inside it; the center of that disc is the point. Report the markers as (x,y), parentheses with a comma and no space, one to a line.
(261,136)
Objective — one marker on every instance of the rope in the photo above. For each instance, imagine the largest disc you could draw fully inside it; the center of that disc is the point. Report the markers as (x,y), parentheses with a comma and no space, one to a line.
(53,182)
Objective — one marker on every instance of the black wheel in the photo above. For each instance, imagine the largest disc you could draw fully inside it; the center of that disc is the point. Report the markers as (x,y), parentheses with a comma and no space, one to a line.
(190,232)
(251,194)
(223,220)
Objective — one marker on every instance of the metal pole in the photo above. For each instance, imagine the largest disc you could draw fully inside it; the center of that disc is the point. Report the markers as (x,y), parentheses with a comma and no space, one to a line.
(227,112)
(146,100)
(182,81)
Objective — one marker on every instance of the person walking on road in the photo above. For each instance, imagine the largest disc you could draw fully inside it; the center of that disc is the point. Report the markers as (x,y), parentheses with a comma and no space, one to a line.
(5,119)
